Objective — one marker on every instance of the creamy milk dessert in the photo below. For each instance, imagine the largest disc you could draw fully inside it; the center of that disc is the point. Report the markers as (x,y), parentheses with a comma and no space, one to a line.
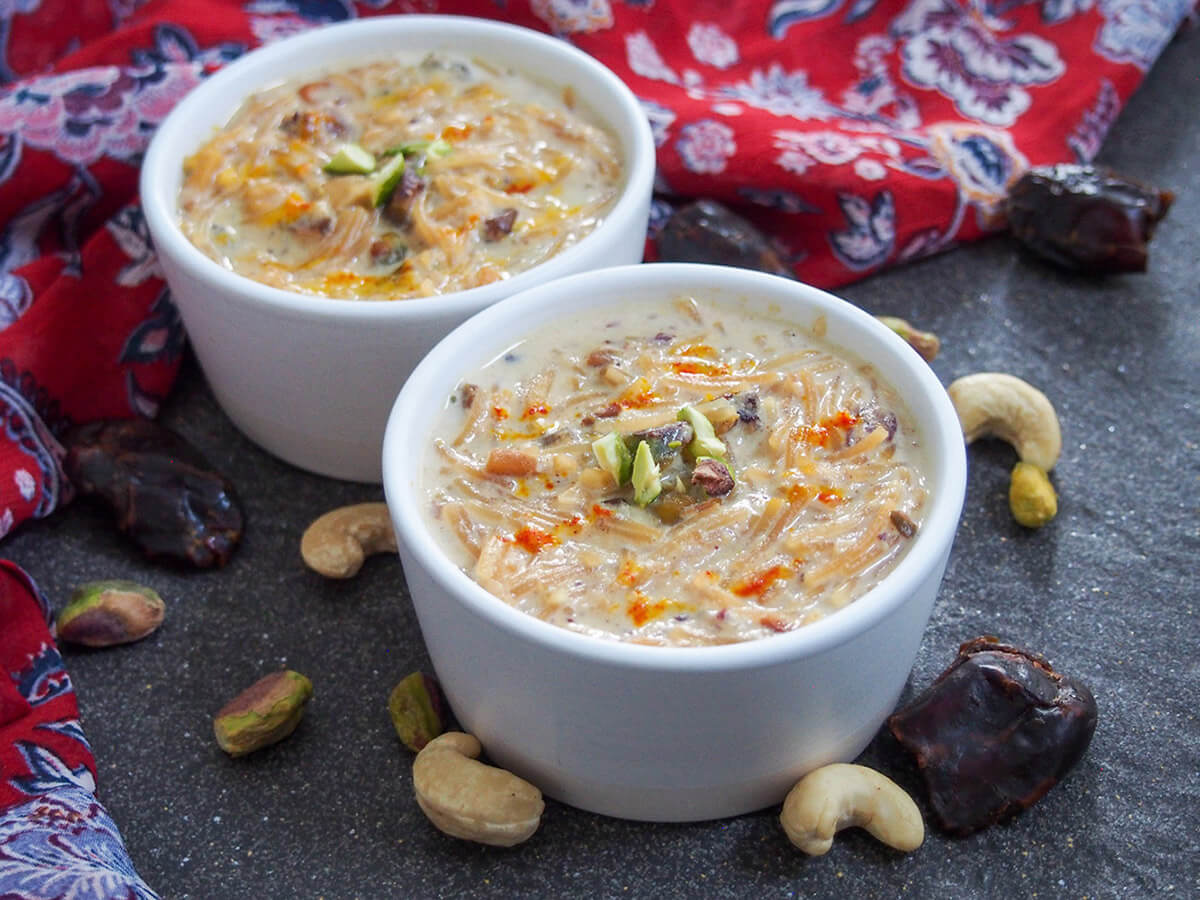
(675,473)
(418,176)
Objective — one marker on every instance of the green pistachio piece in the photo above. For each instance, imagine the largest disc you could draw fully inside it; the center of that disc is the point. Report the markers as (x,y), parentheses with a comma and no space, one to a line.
(351,159)
(105,613)
(415,706)
(385,180)
(706,442)
(647,483)
(1031,496)
(436,148)
(263,714)
(613,457)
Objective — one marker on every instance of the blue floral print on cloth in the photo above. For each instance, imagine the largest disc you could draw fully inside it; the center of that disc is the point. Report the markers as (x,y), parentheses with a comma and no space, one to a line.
(62,845)
(56,840)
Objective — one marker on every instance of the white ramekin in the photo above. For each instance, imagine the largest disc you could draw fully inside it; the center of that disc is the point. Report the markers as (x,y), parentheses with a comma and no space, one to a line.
(669,734)
(311,379)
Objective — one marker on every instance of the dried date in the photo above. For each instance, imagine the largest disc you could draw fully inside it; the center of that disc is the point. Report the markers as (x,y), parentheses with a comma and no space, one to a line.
(705,231)
(994,733)
(1086,218)
(163,492)
(500,225)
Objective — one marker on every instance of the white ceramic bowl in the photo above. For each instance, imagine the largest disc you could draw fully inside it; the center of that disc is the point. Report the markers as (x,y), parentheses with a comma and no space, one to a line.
(312,380)
(659,733)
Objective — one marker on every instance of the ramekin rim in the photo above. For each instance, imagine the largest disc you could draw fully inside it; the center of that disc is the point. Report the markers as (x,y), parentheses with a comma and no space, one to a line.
(933,540)
(161,213)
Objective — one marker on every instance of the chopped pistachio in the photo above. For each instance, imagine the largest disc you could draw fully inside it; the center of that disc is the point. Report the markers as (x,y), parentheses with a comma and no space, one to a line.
(351,159)
(706,442)
(613,457)
(386,180)
(436,148)
(647,483)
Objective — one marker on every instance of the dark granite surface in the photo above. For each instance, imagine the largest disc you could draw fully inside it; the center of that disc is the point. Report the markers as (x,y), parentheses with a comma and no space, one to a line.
(1108,592)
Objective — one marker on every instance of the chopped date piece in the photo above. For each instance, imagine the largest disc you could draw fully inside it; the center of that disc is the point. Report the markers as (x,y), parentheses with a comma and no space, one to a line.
(664,440)
(388,250)
(318,219)
(600,358)
(499,225)
(291,125)
(322,225)
(903,524)
(459,69)
(994,733)
(165,495)
(1086,218)
(613,409)
(468,392)
(747,408)
(873,417)
(400,203)
(310,125)
(707,232)
(713,476)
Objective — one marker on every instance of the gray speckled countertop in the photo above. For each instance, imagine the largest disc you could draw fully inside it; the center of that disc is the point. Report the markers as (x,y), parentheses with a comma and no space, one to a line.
(1108,592)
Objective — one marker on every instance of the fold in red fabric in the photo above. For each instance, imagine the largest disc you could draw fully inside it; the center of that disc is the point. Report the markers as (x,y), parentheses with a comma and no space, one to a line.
(41,744)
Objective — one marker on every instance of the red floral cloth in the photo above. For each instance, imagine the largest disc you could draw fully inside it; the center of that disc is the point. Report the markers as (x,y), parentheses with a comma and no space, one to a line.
(858,133)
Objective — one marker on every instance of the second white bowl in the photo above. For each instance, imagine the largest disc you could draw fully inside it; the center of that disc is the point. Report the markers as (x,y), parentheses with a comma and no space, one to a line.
(312,379)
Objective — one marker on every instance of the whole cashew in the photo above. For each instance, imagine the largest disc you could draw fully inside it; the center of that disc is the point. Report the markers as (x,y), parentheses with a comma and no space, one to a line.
(467,799)
(337,543)
(999,405)
(841,796)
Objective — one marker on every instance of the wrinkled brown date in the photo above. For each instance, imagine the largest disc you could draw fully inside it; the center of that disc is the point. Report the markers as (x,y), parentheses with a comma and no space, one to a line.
(1086,218)
(164,494)
(704,231)
(994,733)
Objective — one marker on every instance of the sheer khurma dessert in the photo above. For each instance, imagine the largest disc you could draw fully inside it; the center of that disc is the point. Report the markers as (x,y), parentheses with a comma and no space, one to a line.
(675,473)
(417,176)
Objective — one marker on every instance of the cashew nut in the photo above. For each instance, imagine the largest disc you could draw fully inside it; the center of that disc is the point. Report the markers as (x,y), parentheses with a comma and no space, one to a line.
(993,404)
(842,796)
(336,544)
(467,799)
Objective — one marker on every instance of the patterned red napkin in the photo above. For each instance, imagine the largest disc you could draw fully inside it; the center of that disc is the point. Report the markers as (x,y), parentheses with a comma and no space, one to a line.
(859,134)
